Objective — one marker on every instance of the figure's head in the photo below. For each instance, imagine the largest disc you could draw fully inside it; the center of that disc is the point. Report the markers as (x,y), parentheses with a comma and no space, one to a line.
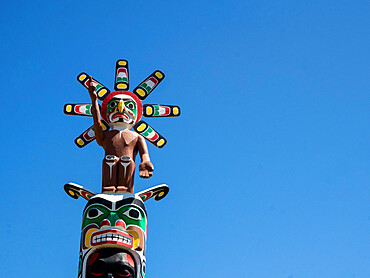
(113,233)
(122,108)
(114,219)
(115,224)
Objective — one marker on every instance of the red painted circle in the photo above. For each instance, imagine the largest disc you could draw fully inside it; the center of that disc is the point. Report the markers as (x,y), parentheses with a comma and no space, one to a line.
(105,222)
(121,223)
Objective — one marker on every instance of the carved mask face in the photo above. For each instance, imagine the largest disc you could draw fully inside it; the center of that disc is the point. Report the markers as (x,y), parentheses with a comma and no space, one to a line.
(122,108)
(122,222)
(114,222)
(113,233)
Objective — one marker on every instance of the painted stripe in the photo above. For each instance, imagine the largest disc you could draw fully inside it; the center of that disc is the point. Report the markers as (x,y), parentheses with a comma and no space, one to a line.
(152,136)
(163,110)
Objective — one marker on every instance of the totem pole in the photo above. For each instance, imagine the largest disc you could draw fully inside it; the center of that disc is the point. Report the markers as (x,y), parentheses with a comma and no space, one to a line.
(114,224)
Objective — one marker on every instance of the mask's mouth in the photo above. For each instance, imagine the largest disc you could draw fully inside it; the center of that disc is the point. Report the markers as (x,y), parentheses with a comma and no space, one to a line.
(112,236)
(110,263)
(124,117)
(120,115)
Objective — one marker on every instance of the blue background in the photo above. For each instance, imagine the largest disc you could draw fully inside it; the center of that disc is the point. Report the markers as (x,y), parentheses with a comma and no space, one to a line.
(268,164)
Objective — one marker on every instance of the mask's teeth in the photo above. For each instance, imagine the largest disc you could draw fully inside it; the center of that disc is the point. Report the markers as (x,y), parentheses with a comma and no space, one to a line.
(111,237)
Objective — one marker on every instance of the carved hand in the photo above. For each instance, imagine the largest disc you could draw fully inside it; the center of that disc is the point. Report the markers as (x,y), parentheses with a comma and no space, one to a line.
(92,93)
(146,169)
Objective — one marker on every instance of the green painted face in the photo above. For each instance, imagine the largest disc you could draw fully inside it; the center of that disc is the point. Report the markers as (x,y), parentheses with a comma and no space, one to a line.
(108,220)
(131,215)
(114,223)
(122,109)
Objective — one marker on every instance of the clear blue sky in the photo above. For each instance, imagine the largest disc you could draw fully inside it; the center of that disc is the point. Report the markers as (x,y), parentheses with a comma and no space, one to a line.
(268,164)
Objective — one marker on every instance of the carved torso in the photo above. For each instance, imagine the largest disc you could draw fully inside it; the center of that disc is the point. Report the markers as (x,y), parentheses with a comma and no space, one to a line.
(120,143)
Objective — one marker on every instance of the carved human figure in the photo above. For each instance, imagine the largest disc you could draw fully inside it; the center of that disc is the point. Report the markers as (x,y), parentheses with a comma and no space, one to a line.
(121,110)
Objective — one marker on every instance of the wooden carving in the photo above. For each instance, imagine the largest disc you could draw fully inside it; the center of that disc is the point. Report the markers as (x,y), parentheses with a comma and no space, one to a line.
(118,127)
(114,223)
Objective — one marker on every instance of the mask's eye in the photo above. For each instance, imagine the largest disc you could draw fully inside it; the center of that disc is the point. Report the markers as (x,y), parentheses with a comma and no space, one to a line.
(133,213)
(112,104)
(94,213)
(130,105)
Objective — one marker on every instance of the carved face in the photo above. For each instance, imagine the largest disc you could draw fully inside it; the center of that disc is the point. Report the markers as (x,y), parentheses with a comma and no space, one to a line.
(122,223)
(114,222)
(121,108)
(113,233)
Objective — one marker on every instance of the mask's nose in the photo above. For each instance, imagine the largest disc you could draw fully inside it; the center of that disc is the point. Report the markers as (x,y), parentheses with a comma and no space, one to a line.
(112,220)
(121,106)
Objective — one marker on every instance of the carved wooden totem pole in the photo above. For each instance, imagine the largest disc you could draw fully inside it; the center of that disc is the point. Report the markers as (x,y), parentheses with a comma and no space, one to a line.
(114,224)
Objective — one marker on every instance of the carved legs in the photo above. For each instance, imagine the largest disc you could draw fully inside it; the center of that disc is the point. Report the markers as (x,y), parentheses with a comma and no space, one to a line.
(118,174)
(110,174)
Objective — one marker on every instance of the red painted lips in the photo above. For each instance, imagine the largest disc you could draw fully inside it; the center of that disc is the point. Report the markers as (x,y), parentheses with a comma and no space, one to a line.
(120,115)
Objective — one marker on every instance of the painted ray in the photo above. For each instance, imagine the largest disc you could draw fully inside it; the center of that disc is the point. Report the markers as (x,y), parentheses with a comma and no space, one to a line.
(100,89)
(121,81)
(159,110)
(149,84)
(89,135)
(150,134)
(78,109)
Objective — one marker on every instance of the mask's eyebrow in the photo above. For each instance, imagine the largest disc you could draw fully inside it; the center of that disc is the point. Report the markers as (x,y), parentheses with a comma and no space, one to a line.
(129,201)
(100,201)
